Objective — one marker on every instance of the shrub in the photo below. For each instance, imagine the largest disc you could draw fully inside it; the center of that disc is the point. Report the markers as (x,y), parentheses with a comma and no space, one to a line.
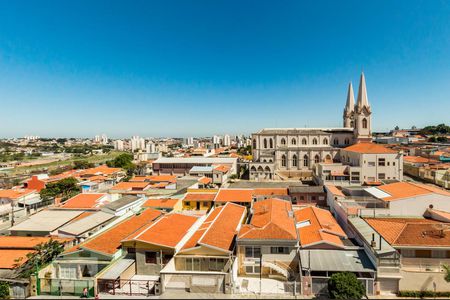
(345,285)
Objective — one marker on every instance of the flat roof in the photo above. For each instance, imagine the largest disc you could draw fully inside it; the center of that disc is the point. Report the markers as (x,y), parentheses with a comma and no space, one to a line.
(194,160)
(81,226)
(47,220)
(336,260)
(265,184)
(201,169)
(121,202)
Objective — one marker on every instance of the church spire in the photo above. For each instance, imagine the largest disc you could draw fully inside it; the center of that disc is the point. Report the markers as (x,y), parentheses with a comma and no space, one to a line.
(363,101)
(349,107)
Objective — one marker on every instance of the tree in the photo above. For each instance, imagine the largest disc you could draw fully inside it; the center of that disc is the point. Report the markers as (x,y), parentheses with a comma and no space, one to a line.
(396,128)
(44,253)
(124,161)
(64,188)
(447,273)
(82,164)
(4,290)
(345,285)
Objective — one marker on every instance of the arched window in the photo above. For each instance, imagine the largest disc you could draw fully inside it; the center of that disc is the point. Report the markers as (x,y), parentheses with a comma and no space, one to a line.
(271,143)
(294,160)
(364,123)
(260,169)
(294,142)
(328,158)
(347,141)
(267,169)
(304,141)
(316,159)
(336,141)
(325,141)
(283,160)
(254,144)
(352,123)
(253,169)
(314,141)
(305,161)
(283,141)
(265,143)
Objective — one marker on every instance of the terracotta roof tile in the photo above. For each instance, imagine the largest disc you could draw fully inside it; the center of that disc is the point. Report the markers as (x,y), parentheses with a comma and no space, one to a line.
(369,148)
(234,195)
(161,203)
(199,197)
(83,201)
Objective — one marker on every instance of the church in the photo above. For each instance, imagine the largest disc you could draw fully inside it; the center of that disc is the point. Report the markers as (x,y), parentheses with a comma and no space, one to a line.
(294,153)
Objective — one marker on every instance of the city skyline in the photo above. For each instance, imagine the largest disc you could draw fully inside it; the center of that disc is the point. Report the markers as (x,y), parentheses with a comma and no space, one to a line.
(179,70)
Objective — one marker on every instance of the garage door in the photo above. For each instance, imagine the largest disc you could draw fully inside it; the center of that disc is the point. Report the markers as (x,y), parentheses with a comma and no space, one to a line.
(388,286)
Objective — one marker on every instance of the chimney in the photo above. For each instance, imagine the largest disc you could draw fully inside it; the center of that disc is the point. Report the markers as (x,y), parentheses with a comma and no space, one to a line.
(373,244)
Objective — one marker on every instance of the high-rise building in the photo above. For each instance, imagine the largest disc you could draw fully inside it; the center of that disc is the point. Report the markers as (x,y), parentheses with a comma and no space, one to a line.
(227,140)
(97,139)
(104,139)
(137,143)
(118,145)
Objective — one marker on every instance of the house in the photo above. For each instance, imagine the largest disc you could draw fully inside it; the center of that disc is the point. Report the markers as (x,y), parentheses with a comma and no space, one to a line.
(154,245)
(182,165)
(308,195)
(198,201)
(82,229)
(13,254)
(82,263)
(408,199)
(164,204)
(242,197)
(22,201)
(362,163)
(123,205)
(318,229)
(46,222)
(205,262)
(424,249)
(86,201)
(36,182)
(269,241)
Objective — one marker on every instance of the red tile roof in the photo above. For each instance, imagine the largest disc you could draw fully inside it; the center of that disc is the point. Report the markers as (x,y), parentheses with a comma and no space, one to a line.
(161,203)
(84,201)
(401,190)
(168,231)
(319,226)
(199,197)
(271,220)
(412,232)
(369,148)
(109,241)
(15,193)
(334,190)
(234,195)
(270,192)
(219,229)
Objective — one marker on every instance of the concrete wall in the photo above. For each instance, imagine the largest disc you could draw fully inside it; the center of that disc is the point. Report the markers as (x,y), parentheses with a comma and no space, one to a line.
(416,206)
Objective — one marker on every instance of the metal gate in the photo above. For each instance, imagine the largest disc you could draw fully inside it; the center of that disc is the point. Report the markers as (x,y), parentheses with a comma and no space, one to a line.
(127,287)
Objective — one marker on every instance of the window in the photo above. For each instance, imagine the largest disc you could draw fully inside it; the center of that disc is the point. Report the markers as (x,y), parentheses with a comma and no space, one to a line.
(381,176)
(393,163)
(314,141)
(283,141)
(364,123)
(294,160)
(166,258)
(316,159)
(150,257)
(313,198)
(371,164)
(355,176)
(265,143)
(293,142)
(252,269)
(305,161)
(188,203)
(254,252)
(381,162)
(271,143)
(254,144)
(325,141)
(283,160)
(304,141)
(279,250)
(68,272)
(347,141)
(216,264)
(336,141)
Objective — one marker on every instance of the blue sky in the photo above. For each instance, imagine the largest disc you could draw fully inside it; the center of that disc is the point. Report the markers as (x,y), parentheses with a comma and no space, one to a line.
(182,68)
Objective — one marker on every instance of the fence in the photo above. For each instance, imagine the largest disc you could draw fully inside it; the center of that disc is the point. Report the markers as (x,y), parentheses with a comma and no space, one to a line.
(127,287)
(66,287)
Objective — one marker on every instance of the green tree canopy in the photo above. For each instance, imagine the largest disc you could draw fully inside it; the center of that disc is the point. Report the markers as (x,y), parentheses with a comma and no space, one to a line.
(44,253)
(64,188)
(82,164)
(124,161)
(345,285)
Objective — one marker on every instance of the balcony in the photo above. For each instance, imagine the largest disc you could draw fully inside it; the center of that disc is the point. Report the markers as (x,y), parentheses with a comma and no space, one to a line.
(415,264)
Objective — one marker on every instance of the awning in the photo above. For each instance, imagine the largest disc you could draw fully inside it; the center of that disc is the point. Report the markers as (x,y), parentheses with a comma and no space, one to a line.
(117,269)
(336,260)
(30,201)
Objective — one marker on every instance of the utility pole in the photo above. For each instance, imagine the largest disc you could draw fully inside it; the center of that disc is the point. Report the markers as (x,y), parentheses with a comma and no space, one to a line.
(12,213)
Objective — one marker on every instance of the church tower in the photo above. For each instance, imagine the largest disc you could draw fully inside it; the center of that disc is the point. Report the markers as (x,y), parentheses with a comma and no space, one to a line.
(363,113)
(349,110)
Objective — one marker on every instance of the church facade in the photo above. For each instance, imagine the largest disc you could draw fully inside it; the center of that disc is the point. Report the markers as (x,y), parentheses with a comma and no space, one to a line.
(281,153)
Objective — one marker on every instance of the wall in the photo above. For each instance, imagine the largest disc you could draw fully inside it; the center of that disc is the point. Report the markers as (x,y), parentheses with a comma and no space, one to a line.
(416,206)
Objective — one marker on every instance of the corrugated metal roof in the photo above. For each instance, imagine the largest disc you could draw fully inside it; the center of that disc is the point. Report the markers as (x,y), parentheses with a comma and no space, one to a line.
(336,260)
(86,224)
(117,269)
